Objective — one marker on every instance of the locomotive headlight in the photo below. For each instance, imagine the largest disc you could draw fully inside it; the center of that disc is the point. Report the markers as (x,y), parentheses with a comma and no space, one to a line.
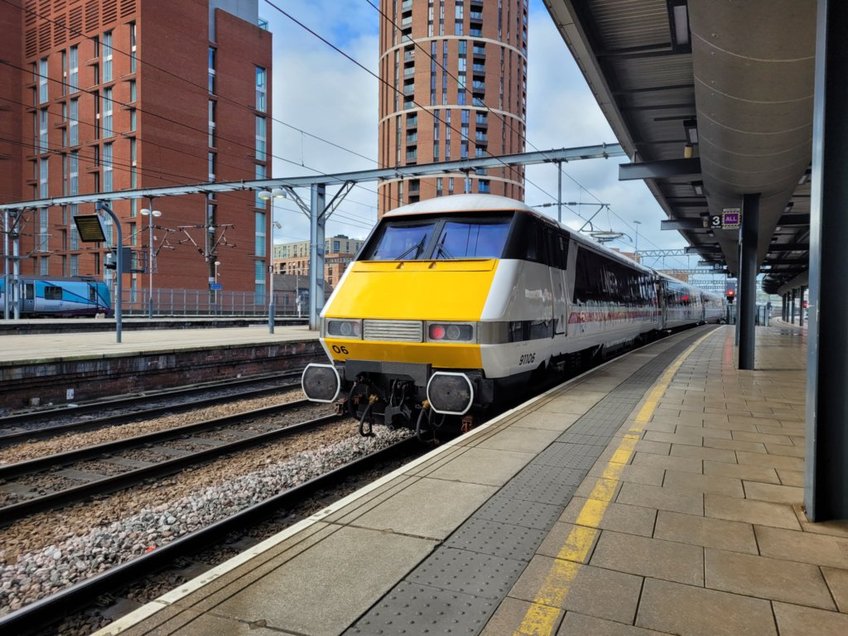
(344,328)
(450,332)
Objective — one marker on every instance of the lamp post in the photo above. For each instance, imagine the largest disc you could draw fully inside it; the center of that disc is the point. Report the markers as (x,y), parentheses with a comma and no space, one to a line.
(217,265)
(150,214)
(272,195)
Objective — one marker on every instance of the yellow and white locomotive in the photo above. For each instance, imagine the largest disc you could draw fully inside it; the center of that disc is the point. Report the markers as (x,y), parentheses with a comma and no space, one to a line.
(456,299)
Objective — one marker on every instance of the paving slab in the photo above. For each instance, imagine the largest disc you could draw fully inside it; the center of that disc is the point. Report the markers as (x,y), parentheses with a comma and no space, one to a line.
(305,579)
(683,609)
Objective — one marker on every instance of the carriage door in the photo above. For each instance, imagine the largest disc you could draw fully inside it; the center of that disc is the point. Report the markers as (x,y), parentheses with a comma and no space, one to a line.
(558,250)
(29,298)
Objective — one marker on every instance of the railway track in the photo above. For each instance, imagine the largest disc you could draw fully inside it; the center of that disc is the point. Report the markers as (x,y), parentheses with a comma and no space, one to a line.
(249,429)
(101,414)
(44,612)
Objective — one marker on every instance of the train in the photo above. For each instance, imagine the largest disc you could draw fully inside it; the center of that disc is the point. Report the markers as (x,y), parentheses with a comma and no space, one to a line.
(454,301)
(60,297)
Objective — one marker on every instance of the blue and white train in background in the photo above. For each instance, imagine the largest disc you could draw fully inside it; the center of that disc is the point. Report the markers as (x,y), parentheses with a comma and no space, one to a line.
(456,300)
(59,297)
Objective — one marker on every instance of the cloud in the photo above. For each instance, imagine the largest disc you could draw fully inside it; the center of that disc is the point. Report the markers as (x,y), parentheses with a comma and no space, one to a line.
(320,91)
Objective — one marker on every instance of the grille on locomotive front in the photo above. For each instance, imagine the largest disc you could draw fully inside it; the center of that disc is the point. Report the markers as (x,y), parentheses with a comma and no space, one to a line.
(401,330)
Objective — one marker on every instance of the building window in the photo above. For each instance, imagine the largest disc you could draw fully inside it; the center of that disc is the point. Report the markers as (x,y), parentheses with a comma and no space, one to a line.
(211,70)
(73,123)
(74,234)
(107,56)
(133,165)
(133,120)
(42,80)
(43,236)
(64,88)
(74,261)
(107,167)
(133,47)
(43,178)
(260,174)
(96,96)
(261,90)
(42,131)
(211,161)
(73,68)
(260,137)
(260,234)
(133,93)
(211,124)
(73,174)
(107,112)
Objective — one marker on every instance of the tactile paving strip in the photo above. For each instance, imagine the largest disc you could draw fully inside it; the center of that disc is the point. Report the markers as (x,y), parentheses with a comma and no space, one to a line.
(418,609)
(459,586)
(496,538)
(456,570)
(530,514)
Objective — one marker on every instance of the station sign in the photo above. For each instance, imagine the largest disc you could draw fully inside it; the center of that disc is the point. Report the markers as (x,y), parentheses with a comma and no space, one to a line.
(216,286)
(731,218)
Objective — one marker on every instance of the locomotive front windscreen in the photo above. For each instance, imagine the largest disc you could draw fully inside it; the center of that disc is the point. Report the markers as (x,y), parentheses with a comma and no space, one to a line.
(440,239)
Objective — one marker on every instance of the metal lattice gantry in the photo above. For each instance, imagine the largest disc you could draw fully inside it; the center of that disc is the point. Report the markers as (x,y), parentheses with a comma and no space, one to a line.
(317,209)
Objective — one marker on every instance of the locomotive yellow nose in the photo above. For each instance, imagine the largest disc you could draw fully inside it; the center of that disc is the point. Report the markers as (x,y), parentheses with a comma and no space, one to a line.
(398,298)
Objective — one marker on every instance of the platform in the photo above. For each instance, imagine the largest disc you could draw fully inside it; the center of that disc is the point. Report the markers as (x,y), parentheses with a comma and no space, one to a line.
(68,367)
(660,492)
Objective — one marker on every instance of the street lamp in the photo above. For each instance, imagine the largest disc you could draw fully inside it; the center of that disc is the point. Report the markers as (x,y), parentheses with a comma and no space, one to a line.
(217,264)
(150,214)
(271,195)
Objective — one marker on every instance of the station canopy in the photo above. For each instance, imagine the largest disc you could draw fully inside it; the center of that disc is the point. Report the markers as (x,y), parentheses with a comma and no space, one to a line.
(711,101)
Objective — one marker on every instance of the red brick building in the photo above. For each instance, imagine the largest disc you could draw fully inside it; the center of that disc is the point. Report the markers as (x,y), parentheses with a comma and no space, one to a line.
(110,95)
(455,74)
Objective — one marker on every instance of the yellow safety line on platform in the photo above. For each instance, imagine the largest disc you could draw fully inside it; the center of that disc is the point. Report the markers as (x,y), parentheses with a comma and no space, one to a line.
(540,618)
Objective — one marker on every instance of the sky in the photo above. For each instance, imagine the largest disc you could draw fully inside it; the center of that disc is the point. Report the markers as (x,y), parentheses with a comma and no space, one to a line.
(317,92)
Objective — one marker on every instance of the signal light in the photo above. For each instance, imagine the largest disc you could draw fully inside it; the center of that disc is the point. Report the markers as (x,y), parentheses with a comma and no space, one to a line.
(730,295)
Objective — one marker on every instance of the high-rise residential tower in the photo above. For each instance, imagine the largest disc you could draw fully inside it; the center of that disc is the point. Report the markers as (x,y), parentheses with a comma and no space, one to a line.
(454,86)
(109,95)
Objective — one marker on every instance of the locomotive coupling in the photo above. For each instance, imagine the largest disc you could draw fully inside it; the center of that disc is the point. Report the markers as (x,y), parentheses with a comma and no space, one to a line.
(320,382)
(450,393)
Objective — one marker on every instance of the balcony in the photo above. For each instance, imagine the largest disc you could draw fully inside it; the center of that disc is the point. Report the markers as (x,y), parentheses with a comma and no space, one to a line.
(409,56)
(479,51)
(408,72)
(406,6)
(408,90)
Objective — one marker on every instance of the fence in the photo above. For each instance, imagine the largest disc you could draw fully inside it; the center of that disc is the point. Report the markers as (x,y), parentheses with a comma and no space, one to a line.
(202,302)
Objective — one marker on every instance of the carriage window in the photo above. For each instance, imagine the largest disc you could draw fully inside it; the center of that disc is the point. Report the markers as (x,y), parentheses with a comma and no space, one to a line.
(466,239)
(52,292)
(28,292)
(402,242)
(92,293)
